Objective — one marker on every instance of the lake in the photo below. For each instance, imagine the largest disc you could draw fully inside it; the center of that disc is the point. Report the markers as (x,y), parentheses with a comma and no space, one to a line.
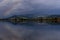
(29,31)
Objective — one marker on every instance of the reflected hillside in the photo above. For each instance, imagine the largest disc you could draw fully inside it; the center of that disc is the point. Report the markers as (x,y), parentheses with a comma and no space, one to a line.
(51,19)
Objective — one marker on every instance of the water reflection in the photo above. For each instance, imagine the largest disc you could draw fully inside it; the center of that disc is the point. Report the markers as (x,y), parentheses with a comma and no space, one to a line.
(29,31)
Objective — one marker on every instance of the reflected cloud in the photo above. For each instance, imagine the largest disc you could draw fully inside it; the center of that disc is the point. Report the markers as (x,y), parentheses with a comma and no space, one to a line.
(21,33)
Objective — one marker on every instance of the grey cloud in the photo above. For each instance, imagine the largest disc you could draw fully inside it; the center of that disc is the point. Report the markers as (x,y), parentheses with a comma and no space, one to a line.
(24,6)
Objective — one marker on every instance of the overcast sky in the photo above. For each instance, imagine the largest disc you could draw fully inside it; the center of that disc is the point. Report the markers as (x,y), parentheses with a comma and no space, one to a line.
(11,7)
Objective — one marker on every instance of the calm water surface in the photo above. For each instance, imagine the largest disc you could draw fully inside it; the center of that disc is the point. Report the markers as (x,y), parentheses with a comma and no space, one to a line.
(29,31)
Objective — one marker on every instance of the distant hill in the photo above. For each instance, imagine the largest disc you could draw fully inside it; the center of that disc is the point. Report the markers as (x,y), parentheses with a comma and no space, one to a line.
(54,16)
